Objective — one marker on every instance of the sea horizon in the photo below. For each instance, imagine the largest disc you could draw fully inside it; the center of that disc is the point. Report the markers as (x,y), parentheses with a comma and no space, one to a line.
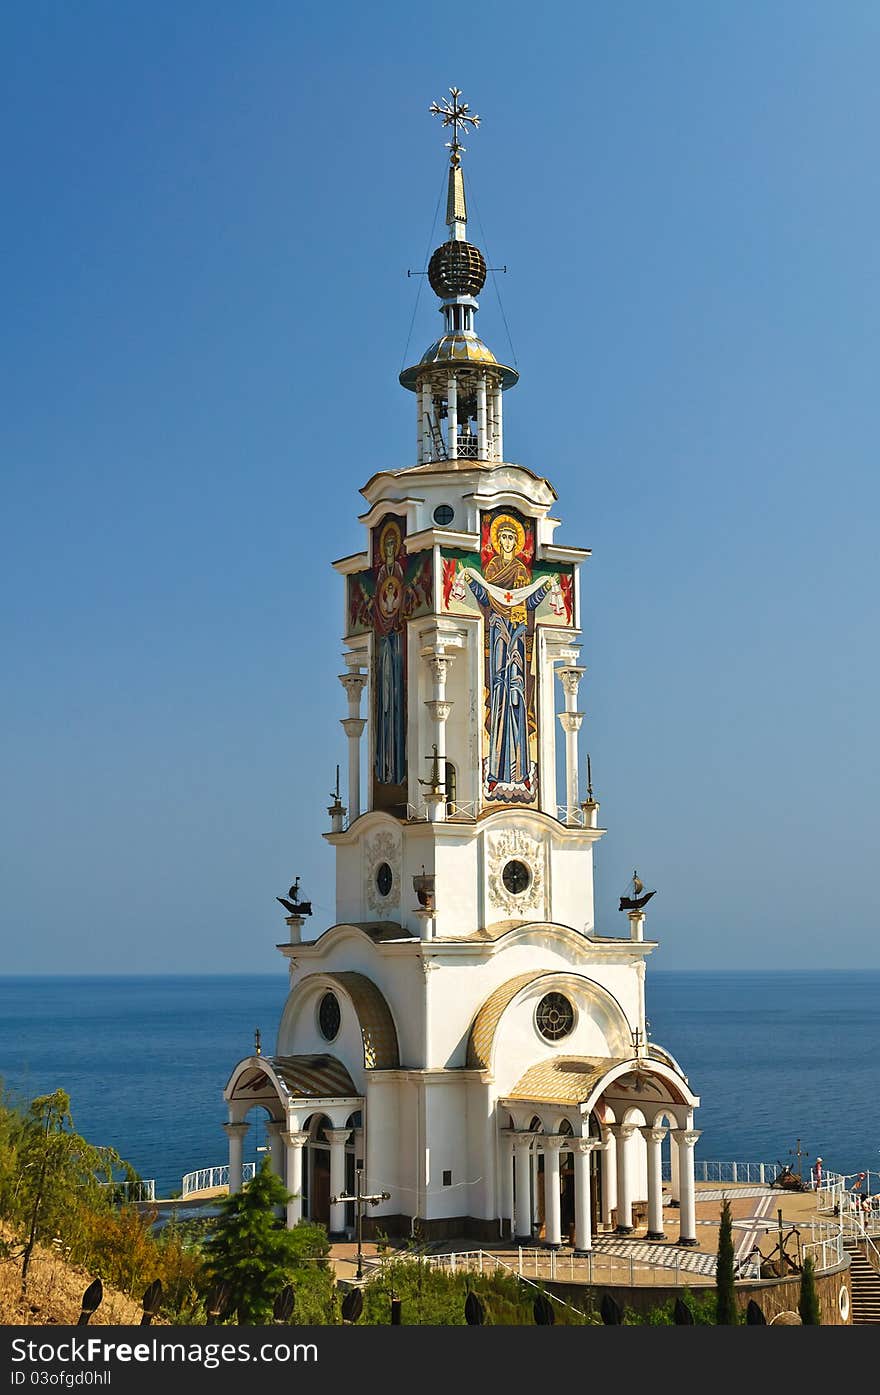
(775,1055)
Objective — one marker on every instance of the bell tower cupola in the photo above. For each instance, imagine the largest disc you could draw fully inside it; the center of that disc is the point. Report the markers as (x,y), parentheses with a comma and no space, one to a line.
(458,381)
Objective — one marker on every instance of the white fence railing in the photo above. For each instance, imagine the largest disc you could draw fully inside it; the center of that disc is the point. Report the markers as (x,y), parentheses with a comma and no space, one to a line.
(206,1179)
(758,1174)
(144,1189)
(854,1198)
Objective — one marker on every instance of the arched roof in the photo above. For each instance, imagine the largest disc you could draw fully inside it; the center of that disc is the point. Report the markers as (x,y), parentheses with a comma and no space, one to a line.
(485,1025)
(296,1077)
(378,1032)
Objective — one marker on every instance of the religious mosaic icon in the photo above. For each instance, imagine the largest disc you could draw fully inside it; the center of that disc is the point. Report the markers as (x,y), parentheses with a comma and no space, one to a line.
(396,588)
(508,590)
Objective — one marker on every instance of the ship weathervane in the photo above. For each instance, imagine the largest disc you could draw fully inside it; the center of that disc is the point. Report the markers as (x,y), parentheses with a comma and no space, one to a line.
(636,897)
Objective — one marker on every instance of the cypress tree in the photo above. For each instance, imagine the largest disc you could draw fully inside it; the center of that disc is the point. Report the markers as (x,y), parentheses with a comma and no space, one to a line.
(725,1300)
(808,1303)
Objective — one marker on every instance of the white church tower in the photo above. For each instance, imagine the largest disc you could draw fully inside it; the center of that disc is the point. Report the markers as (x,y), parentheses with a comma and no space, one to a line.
(464,1032)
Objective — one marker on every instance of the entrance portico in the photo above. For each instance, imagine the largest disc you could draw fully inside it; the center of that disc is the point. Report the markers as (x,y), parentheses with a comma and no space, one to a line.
(613,1146)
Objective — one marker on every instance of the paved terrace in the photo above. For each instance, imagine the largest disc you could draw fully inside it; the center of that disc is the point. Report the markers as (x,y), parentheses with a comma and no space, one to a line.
(630,1259)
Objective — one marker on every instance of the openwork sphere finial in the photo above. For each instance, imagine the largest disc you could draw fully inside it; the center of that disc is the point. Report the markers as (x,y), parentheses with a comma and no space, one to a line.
(457,268)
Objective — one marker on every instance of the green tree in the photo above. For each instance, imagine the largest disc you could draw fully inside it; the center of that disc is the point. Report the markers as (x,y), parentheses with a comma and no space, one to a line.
(58,1172)
(808,1303)
(252,1252)
(725,1298)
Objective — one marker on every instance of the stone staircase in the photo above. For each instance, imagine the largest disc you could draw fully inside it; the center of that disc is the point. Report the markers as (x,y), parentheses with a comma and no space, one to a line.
(864,1286)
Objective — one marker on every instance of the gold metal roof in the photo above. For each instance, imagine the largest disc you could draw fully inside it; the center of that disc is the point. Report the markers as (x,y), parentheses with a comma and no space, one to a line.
(482,1034)
(381,1051)
(564,1079)
(461,350)
(305,1077)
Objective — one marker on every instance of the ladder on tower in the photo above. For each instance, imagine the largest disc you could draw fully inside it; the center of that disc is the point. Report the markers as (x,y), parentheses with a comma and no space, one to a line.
(437,441)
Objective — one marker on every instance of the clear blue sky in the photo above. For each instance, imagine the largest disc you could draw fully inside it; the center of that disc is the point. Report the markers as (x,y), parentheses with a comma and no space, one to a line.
(209,211)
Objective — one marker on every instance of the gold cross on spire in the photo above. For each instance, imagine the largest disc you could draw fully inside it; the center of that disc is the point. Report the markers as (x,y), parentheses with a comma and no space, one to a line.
(455,114)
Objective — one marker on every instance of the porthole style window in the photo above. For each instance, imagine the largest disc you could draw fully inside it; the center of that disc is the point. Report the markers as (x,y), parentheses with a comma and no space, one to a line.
(329,1016)
(443,515)
(554,1017)
(517,877)
(384,879)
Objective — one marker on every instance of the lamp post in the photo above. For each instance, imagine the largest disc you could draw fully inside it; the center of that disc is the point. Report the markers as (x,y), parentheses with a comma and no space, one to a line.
(360,1202)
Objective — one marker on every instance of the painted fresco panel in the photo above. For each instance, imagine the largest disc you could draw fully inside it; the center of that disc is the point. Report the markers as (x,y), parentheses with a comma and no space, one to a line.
(513,594)
(395,589)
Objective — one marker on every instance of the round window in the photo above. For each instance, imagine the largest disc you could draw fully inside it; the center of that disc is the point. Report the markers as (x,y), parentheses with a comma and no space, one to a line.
(554,1017)
(843,1302)
(329,1016)
(517,877)
(384,879)
(444,514)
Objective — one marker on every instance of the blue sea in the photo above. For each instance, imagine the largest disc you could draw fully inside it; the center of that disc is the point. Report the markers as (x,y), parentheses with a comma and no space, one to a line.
(774,1056)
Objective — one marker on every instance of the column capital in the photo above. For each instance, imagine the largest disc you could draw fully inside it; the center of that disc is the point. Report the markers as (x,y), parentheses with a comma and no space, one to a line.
(295,1139)
(439,664)
(688,1137)
(571,676)
(652,1135)
(585,1146)
(607,1133)
(555,1142)
(237,1130)
(354,684)
(337,1135)
(623,1132)
(353,726)
(571,721)
(275,1127)
(439,708)
(523,1138)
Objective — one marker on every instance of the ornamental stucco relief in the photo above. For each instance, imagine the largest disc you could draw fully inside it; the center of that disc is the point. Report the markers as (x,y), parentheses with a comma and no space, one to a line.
(514,844)
(382,847)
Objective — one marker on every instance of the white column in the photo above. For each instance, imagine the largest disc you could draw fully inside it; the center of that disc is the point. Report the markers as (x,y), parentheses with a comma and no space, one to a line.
(674,1184)
(522,1166)
(507,1212)
(274,1130)
(582,1148)
(353,726)
(452,417)
(571,721)
(536,1173)
(623,1133)
(439,707)
(609,1175)
(552,1145)
(235,1133)
(482,449)
(294,1144)
(420,433)
(337,1138)
(686,1139)
(424,415)
(499,435)
(654,1142)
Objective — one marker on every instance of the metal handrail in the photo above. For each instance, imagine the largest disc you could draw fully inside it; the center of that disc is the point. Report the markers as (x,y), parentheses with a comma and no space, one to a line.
(144,1189)
(206,1179)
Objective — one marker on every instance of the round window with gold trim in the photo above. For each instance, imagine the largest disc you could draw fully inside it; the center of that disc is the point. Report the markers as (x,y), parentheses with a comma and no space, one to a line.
(554,1016)
(516,876)
(329,1017)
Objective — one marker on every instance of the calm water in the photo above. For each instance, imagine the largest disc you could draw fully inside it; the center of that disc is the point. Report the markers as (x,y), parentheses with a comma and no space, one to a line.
(773,1056)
